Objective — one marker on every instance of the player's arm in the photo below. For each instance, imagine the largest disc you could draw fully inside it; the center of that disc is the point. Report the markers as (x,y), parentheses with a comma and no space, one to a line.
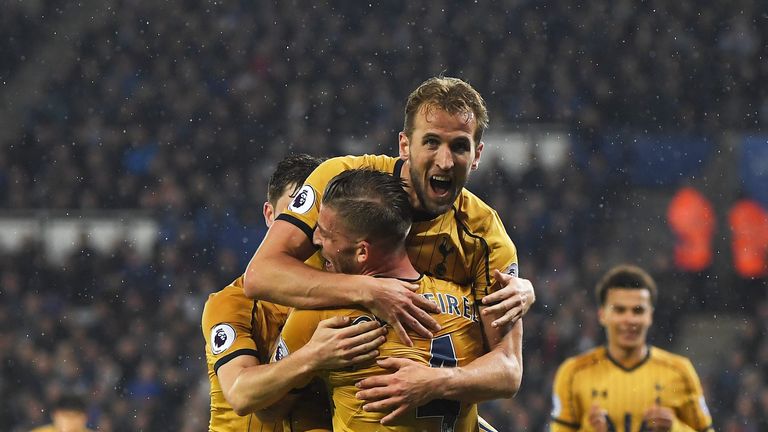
(517,295)
(277,273)
(249,386)
(566,412)
(497,374)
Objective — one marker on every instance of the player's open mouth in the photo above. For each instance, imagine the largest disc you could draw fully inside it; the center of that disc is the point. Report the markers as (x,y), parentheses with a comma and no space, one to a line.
(441,185)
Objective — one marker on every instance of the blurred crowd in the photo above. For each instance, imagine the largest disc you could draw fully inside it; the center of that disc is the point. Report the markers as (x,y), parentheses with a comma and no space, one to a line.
(183,108)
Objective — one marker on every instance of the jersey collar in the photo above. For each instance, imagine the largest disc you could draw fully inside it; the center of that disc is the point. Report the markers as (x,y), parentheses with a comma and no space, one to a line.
(629,369)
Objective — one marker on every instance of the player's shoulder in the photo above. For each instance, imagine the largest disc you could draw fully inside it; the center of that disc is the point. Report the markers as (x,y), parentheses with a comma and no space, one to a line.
(232,292)
(229,301)
(473,211)
(584,360)
(670,359)
(342,163)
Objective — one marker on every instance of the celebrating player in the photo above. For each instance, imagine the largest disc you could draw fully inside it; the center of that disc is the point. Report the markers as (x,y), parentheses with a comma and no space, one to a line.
(361,229)
(455,236)
(239,333)
(628,385)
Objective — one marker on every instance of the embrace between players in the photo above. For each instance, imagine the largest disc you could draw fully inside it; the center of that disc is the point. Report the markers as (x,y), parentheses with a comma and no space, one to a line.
(403,244)
(415,317)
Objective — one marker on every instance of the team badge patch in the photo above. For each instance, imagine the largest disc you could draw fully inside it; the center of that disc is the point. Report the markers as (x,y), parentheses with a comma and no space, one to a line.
(281,351)
(703,405)
(512,270)
(557,407)
(222,337)
(303,201)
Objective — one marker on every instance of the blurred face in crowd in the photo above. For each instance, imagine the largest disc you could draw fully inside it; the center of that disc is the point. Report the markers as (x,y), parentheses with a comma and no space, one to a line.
(626,316)
(441,152)
(69,420)
(336,246)
(271,212)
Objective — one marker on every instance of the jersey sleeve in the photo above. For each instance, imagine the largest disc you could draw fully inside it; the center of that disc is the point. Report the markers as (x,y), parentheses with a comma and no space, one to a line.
(566,411)
(693,412)
(296,333)
(502,256)
(305,206)
(226,326)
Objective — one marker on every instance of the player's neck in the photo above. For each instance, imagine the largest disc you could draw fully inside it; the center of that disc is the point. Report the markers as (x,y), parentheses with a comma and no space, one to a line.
(394,265)
(628,357)
(405,175)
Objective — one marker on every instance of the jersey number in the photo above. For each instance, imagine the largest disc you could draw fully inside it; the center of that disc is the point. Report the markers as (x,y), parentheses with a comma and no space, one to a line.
(442,354)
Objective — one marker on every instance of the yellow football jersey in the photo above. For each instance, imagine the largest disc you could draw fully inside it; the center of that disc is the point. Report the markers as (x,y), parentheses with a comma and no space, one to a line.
(463,245)
(595,378)
(457,344)
(235,325)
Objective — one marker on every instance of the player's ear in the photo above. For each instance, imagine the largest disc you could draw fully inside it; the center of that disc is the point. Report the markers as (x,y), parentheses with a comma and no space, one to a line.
(478,150)
(363,252)
(269,214)
(404,145)
(601,315)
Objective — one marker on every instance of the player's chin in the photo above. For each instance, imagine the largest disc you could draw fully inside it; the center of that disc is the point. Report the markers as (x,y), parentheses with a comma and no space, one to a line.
(439,205)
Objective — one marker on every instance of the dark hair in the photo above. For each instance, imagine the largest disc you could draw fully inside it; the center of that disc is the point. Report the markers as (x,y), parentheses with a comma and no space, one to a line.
(625,276)
(371,204)
(70,402)
(452,95)
(292,171)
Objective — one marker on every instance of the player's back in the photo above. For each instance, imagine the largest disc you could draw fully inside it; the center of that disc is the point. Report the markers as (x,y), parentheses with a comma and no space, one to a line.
(459,342)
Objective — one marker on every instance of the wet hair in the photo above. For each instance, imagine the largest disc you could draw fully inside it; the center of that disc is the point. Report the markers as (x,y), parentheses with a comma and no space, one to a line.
(451,95)
(625,276)
(70,402)
(292,171)
(371,204)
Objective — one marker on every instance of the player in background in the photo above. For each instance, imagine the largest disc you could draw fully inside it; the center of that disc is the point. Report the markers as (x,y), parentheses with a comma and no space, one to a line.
(361,229)
(628,385)
(239,333)
(455,237)
(68,415)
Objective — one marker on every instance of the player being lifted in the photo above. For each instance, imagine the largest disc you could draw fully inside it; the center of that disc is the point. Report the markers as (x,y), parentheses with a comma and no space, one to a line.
(628,385)
(455,237)
(361,229)
(239,333)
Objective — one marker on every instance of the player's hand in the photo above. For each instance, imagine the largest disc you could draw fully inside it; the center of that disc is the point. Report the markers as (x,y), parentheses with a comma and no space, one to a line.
(513,300)
(659,418)
(409,386)
(398,305)
(336,344)
(598,418)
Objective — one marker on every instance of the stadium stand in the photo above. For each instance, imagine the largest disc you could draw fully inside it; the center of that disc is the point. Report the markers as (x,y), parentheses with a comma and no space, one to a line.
(179,109)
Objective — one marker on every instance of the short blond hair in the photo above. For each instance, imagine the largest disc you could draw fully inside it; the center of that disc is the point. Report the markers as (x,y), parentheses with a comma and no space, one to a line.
(451,95)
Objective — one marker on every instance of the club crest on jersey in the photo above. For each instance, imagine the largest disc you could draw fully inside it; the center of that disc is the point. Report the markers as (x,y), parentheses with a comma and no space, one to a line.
(222,337)
(445,248)
(303,201)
